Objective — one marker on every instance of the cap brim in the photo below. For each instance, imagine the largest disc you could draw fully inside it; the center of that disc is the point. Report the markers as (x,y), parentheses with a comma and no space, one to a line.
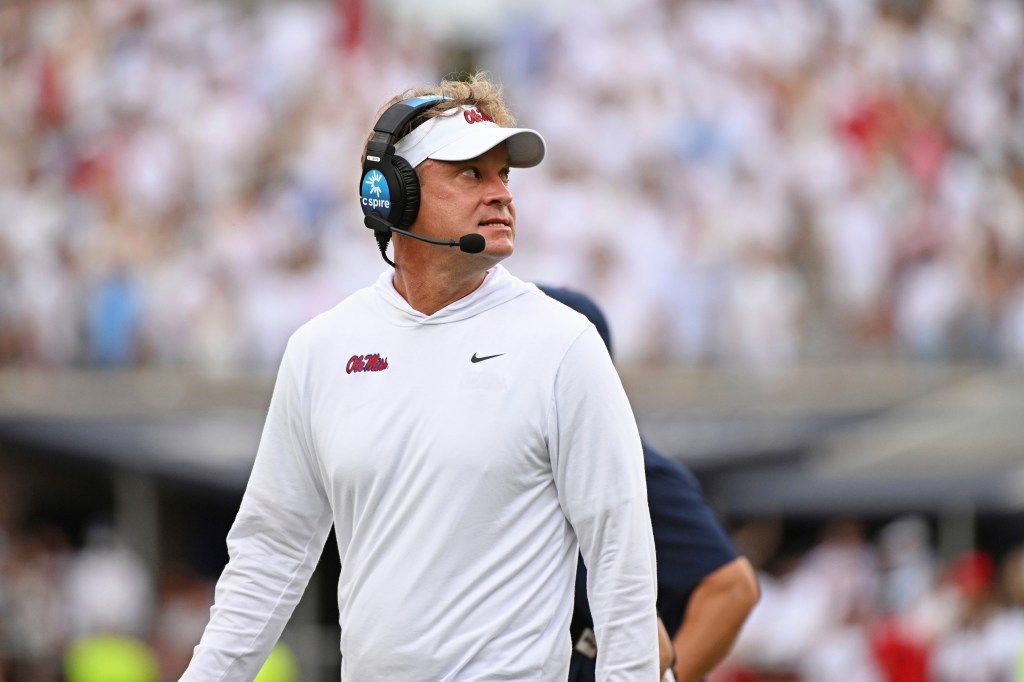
(525,146)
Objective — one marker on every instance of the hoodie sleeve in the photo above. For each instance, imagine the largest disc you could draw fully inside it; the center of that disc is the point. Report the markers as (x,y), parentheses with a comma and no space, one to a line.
(599,471)
(273,545)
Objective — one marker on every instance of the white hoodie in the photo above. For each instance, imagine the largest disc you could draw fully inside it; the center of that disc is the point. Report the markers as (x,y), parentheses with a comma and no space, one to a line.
(459,456)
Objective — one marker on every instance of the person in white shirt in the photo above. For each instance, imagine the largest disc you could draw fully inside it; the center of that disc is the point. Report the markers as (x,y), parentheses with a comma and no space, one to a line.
(463,432)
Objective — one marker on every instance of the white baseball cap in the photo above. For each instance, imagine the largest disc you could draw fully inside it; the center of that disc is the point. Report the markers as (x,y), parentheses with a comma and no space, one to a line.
(466,133)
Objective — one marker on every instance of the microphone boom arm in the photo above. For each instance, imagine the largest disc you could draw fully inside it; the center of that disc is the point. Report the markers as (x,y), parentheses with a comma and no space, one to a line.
(467,243)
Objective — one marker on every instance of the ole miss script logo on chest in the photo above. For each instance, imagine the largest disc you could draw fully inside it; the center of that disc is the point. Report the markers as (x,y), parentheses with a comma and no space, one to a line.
(366,363)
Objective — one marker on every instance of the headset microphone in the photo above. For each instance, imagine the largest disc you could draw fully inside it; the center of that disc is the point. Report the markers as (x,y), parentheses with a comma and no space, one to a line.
(472,243)
(467,243)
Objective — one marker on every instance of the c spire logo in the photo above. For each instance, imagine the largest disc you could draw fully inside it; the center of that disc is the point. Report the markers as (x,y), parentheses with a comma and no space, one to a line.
(374,193)
(372,181)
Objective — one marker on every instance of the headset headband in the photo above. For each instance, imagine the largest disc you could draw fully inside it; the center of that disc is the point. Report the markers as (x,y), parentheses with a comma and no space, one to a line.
(393,121)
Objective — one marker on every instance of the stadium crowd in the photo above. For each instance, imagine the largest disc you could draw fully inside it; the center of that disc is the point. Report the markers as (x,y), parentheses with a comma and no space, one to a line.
(851,607)
(879,608)
(744,183)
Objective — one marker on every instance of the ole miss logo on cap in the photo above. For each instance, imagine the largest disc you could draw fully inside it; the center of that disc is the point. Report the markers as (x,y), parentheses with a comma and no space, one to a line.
(476,116)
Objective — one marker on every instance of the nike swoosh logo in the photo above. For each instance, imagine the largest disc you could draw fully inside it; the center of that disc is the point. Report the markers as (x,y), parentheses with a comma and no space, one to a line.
(486,357)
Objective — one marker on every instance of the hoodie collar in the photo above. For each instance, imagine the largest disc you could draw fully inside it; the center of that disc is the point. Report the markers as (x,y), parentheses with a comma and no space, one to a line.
(498,287)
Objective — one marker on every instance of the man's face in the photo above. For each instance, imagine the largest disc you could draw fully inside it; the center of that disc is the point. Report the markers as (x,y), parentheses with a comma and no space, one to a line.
(460,197)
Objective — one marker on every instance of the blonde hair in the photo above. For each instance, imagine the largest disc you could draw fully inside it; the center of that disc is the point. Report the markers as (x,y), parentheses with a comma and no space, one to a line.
(476,91)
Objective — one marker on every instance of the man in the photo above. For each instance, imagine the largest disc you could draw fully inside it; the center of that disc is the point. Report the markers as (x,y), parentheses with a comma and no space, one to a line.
(464,433)
(705,588)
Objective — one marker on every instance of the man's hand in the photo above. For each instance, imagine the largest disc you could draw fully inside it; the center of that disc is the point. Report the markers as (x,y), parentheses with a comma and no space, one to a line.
(666,653)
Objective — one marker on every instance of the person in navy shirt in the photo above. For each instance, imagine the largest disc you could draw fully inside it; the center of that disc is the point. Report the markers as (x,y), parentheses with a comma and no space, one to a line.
(706,588)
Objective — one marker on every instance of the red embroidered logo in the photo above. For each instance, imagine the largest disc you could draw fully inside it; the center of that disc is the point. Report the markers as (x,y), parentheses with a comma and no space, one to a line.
(475,116)
(366,363)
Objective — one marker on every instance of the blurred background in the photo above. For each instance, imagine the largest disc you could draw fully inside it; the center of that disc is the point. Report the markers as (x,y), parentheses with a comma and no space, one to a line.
(804,219)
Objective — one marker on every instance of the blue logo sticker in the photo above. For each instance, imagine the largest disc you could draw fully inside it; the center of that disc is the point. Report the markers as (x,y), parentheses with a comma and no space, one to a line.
(374,194)
(417,101)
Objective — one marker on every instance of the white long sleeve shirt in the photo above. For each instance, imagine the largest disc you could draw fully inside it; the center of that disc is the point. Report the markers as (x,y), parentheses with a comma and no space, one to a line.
(461,457)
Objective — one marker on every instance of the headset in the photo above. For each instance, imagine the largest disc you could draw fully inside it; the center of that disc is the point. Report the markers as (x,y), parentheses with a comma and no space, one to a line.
(389,189)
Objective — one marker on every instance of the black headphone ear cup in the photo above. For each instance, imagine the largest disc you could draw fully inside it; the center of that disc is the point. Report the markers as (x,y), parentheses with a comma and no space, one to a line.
(409,190)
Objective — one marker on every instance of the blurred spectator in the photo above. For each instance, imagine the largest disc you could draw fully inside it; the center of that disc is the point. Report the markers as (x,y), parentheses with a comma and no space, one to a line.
(907,563)
(184,609)
(898,643)
(108,588)
(35,619)
(113,320)
(989,634)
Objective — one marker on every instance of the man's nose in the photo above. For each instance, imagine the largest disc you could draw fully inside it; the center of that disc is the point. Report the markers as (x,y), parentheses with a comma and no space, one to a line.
(498,192)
